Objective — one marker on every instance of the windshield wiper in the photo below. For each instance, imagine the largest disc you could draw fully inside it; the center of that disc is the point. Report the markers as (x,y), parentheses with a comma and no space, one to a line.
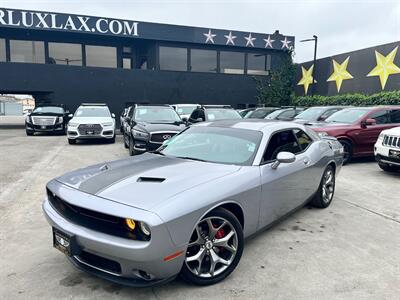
(191,158)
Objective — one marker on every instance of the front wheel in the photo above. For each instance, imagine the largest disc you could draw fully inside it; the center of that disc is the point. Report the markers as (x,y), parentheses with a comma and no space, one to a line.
(214,249)
(326,190)
(71,141)
(29,133)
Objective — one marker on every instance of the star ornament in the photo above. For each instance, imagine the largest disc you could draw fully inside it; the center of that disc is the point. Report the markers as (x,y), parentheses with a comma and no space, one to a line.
(307,78)
(340,73)
(268,42)
(384,66)
(250,40)
(230,38)
(209,36)
(285,43)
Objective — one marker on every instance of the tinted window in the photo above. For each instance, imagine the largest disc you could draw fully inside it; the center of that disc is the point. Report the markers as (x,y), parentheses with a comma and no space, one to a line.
(65,54)
(222,114)
(395,116)
(27,51)
(101,56)
(203,60)
(328,113)
(2,50)
(303,139)
(279,142)
(231,62)
(173,59)
(258,64)
(381,117)
(259,113)
(152,114)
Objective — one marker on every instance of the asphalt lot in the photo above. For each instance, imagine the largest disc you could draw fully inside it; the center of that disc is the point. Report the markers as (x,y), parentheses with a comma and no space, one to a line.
(349,251)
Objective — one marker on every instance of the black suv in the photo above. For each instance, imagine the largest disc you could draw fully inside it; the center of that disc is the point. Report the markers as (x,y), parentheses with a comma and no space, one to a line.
(209,113)
(149,126)
(47,118)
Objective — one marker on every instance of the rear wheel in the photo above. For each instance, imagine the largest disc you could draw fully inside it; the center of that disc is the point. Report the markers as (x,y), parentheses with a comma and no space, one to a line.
(71,141)
(388,168)
(347,151)
(214,249)
(326,190)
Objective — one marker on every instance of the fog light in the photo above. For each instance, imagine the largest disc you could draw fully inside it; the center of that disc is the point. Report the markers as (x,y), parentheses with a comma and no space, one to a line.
(130,223)
(145,228)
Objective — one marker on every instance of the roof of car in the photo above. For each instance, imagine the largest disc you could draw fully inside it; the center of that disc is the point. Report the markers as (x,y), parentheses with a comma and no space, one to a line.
(374,107)
(251,124)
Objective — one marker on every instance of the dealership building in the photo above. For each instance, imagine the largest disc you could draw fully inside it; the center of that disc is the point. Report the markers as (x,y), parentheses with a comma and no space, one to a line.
(70,59)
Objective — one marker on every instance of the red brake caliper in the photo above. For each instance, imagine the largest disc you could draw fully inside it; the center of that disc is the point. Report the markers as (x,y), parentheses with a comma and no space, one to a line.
(219,235)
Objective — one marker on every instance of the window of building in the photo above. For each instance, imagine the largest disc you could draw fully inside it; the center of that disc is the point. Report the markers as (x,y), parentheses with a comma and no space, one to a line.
(127,63)
(65,54)
(27,51)
(231,62)
(101,56)
(2,50)
(203,60)
(173,59)
(258,64)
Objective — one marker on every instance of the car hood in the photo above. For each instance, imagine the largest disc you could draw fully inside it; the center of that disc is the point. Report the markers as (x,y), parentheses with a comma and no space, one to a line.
(152,127)
(91,120)
(144,181)
(393,131)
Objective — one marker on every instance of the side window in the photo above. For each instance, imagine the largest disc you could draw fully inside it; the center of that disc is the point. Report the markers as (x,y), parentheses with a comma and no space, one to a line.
(201,115)
(303,139)
(289,114)
(328,113)
(279,142)
(194,114)
(381,117)
(395,116)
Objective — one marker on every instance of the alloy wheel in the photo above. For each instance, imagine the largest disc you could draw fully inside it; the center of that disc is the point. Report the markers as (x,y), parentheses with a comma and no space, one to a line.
(212,247)
(328,185)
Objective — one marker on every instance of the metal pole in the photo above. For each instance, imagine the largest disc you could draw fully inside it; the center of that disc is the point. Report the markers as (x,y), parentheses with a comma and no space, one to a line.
(315,64)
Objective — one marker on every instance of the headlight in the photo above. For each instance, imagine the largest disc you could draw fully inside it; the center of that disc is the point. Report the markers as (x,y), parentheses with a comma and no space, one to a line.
(60,119)
(145,228)
(380,138)
(140,134)
(28,119)
(71,124)
(107,124)
(322,134)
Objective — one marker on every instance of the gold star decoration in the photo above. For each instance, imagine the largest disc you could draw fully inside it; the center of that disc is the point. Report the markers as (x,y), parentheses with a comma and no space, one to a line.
(306,78)
(384,67)
(340,73)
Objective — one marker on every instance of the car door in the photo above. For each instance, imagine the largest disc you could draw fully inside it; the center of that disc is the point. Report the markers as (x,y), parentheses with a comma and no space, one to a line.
(282,189)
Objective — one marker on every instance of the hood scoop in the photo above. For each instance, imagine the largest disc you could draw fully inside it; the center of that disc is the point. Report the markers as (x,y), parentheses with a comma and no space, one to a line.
(150,179)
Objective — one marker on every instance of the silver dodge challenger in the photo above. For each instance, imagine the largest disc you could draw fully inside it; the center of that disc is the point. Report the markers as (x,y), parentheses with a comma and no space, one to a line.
(187,207)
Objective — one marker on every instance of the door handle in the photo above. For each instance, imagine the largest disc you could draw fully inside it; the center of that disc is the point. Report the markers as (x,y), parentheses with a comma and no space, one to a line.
(306,161)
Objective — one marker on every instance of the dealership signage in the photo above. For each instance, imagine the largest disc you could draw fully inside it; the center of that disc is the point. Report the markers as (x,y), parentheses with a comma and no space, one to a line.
(44,20)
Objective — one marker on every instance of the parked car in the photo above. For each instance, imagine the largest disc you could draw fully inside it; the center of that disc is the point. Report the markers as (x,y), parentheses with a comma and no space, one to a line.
(122,118)
(284,114)
(260,113)
(188,207)
(49,118)
(207,113)
(91,121)
(387,149)
(316,114)
(358,128)
(149,126)
(244,112)
(184,110)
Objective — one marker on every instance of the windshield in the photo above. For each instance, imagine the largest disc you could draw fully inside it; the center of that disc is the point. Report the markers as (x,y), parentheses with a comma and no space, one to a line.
(274,114)
(222,114)
(215,144)
(347,116)
(49,109)
(259,113)
(311,114)
(92,111)
(156,114)
(185,110)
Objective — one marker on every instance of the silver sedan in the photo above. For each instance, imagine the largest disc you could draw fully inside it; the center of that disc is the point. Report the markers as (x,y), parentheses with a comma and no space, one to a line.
(187,208)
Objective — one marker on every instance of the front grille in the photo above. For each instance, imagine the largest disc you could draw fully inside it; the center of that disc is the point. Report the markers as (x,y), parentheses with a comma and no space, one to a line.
(391,141)
(94,220)
(100,262)
(161,137)
(43,121)
(90,129)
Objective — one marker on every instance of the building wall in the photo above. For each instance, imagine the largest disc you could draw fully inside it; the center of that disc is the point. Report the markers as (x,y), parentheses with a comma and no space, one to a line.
(362,72)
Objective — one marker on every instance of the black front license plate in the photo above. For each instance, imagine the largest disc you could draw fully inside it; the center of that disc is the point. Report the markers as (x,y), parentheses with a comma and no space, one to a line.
(394,154)
(65,243)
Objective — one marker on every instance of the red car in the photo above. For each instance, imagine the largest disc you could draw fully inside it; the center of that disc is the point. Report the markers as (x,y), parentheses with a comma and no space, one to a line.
(358,128)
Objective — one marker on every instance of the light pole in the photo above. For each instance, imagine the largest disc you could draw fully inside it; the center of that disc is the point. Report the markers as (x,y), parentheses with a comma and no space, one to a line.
(315,39)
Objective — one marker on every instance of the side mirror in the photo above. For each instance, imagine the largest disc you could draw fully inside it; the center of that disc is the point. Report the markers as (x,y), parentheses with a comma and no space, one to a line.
(368,122)
(67,111)
(132,122)
(113,115)
(184,119)
(70,115)
(283,158)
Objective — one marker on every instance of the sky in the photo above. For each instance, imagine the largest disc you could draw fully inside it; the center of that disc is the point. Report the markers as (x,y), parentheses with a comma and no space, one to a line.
(340,25)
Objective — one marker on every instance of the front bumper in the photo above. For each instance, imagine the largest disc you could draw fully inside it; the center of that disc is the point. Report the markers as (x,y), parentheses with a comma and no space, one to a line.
(106,133)
(145,145)
(58,127)
(133,257)
(382,154)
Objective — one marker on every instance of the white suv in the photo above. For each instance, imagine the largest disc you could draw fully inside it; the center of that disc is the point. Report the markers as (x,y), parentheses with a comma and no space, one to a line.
(387,149)
(91,121)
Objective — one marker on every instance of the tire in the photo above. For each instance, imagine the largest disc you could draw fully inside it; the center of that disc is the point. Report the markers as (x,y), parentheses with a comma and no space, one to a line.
(132,151)
(348,151)
(203,249)
(71,141)
(29,133)
(326,190)
(126,145)
(388,168)
(112,141)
